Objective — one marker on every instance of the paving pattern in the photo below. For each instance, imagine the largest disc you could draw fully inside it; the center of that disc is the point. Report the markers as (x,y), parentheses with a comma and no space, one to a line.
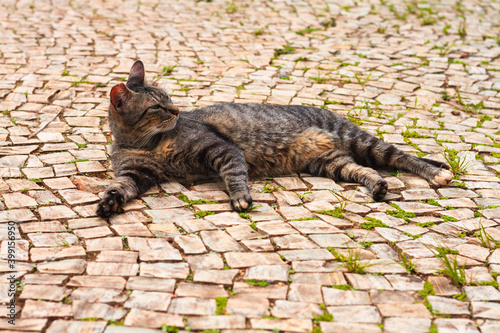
(313,255)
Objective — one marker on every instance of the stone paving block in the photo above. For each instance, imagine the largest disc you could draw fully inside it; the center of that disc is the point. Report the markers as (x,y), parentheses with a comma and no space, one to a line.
(333,240)
(164,270)
(60,326)
(293,242)
(205,261)
(219,241)
(287,309)
(217,322)
(215,276)
(150,284)
(490,326)
(190,244)
(48,293)
(106,282)
(119,269)
(104,244)
(449,306)
(148,300)
(242,260)
(251,307)
(24,324)
(308,293)
(324,279)
(226,219)
(329,327)
(82,309)
(268,273)
(68,266)
(76,197)
(152,319)
(56,212)
(200,290)
(364,314)
(99,295)
(18,200)
(192,306)
(44,279)
(287,325)
(404,310)
(275,228)
(313,254)
(364,281)
(413,325)
(455,325)
(392,296)
(413,283)
(482,293)
(485,310)
(117,256)
(55,253)
(334,296)
(96,232)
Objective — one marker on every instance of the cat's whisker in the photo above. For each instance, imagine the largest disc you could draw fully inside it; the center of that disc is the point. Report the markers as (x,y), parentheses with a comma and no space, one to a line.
(150,135)
(143,136)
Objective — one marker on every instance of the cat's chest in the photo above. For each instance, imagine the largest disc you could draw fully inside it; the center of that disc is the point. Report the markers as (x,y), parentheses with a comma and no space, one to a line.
(166,148)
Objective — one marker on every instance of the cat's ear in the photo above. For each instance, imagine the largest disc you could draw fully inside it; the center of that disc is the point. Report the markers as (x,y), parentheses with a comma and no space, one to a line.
(136,77)
(119,94)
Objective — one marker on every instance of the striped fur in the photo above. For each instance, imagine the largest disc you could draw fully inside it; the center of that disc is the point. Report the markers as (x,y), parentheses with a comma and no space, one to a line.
(237,141)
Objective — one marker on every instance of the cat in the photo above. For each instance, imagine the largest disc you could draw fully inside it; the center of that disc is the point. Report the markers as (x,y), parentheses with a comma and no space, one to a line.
(155,143)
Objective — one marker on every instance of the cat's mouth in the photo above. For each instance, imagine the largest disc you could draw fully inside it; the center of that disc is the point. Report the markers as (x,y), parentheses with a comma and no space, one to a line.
(167,124)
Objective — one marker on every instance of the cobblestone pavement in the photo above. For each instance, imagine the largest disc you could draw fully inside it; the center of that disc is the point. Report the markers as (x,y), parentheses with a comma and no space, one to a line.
(313,255)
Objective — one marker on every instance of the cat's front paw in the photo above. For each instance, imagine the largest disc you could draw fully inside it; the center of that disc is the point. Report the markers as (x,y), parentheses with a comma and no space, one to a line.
(241,201)
(109,203)
(442,178)
(380,190)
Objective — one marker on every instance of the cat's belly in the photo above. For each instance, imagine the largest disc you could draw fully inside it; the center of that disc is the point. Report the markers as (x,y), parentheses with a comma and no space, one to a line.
(287,155)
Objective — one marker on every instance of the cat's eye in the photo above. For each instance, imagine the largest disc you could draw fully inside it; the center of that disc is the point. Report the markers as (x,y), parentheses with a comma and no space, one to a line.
(155,107)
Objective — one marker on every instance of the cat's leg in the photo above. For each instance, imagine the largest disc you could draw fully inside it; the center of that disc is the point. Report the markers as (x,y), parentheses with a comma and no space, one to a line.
(340,166)
(369,150)
(230,163)
(435,172)
(127,186)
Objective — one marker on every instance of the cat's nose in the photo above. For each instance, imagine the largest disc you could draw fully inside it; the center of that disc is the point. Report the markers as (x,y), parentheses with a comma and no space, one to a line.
(173,110)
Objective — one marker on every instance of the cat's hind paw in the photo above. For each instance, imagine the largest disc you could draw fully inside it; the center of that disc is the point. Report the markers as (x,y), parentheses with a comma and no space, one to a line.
(241,202)
(109,203)
(442,178)
(380,190)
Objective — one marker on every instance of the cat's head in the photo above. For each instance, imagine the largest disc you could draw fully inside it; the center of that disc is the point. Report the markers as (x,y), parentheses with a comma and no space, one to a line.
(138,111)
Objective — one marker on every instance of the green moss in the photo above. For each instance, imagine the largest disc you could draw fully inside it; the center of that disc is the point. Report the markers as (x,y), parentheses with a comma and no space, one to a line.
(461,297)
(221,305)
(287,49)
(324,317)
(426,224)
(432,202)
(202,213)
(413,236)
(344,287)
(257,283)
(372,224)
(306,219)
(448,219)
(245,216)
(333,212)
(195,202)
(445,250)
(428,290)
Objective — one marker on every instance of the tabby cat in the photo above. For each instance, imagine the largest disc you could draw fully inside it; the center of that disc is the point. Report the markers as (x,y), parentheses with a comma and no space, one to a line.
(155,143)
